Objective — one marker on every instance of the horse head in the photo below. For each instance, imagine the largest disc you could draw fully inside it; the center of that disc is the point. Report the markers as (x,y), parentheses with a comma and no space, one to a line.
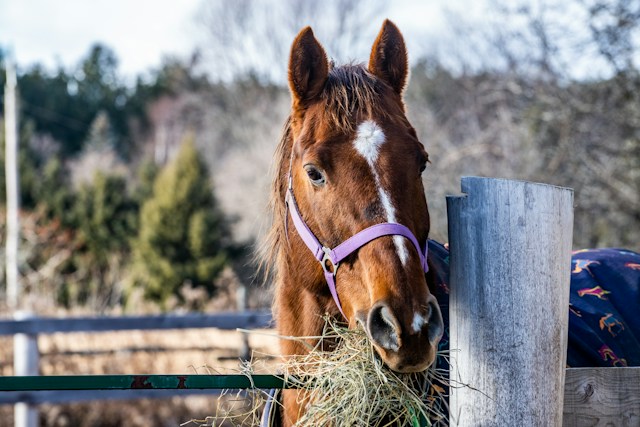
(354,162)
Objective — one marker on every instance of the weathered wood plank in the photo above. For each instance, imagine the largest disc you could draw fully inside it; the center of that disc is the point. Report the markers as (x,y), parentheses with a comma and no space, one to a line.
(597,397)
(510,268)
(49,325)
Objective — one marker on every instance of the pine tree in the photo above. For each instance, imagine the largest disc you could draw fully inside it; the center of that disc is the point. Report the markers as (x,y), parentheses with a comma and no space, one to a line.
(55,196)
(183,236)
(105,218)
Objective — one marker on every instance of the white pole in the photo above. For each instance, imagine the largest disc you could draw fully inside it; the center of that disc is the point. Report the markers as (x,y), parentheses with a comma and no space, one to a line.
(11,171)
(510,245)
(26,360)
(25,347)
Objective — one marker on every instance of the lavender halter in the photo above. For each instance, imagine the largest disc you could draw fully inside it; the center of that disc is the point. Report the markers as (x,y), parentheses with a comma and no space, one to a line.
(330,258)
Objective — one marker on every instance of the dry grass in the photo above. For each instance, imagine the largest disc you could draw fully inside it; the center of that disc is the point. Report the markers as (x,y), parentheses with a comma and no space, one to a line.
(346,386)
(350,386)
(239,408)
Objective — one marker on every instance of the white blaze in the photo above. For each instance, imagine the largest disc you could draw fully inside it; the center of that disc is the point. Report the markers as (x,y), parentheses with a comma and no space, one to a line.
(369,139)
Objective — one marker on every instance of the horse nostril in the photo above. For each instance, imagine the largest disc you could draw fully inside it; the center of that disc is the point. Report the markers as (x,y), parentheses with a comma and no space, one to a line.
(384,328)
(435,323)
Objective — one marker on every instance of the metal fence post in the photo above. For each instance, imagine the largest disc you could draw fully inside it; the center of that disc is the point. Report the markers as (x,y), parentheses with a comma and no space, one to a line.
(25,362)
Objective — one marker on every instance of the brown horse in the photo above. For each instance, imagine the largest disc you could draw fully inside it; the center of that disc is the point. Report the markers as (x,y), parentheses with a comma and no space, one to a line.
(349,160)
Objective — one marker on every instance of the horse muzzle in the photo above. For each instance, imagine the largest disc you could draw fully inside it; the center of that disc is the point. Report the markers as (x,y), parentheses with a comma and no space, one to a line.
(405,342)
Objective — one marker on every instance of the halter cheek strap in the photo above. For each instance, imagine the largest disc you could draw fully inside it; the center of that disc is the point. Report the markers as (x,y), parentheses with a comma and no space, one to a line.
(330,258)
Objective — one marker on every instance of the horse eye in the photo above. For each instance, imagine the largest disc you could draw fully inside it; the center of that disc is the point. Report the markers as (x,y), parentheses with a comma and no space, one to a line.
(424,159)
(316,177)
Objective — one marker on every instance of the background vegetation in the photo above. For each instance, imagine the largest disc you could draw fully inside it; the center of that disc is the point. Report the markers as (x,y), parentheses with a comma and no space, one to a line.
(149,190)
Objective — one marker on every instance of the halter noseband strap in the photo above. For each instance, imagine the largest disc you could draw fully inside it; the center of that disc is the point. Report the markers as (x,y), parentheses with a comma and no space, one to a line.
(330,258)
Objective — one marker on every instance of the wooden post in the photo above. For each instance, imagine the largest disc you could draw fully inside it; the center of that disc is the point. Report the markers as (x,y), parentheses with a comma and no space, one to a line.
(510,245)
(26,360)
(11,172)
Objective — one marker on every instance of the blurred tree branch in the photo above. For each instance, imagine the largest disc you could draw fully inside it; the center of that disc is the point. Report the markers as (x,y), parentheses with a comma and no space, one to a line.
(252,37)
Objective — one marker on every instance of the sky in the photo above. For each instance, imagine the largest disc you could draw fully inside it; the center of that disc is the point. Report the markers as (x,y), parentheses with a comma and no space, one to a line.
(141,32)
(56,32)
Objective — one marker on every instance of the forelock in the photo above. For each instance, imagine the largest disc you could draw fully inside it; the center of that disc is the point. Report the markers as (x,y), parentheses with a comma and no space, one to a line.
(351,92)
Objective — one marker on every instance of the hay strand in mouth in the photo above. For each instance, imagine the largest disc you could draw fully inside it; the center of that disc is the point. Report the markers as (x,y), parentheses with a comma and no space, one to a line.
(350,386)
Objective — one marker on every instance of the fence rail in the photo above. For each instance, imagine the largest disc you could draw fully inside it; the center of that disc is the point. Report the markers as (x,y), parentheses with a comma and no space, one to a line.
(593,396)
(57,397)
(50,325)
(66,388)
(136,382)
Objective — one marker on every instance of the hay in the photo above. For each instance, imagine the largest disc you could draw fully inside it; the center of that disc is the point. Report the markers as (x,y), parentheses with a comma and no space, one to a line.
(235,408)
(350,386)
(347,385)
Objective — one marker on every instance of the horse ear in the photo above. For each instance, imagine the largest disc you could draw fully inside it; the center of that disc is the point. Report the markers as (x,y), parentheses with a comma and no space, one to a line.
(388,59)
(308,67)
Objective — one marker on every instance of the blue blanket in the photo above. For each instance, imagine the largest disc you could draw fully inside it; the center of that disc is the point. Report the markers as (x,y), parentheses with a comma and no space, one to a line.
(604,305)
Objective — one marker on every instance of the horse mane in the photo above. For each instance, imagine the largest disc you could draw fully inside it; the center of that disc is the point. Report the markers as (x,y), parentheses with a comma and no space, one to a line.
(349,92)
(269,251)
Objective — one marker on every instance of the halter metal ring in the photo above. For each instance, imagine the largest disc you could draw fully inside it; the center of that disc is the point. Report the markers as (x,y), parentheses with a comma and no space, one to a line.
(333,268)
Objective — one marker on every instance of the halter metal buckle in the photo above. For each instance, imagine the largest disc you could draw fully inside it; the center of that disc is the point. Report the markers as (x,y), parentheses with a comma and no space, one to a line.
(333,267)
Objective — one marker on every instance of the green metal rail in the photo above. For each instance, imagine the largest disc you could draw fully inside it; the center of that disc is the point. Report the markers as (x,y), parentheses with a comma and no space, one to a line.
(147,382)
(137,382)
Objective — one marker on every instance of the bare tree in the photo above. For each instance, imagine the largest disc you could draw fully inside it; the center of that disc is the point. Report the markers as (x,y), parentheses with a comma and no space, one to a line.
(615,28)
(253,37)
(552,95)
